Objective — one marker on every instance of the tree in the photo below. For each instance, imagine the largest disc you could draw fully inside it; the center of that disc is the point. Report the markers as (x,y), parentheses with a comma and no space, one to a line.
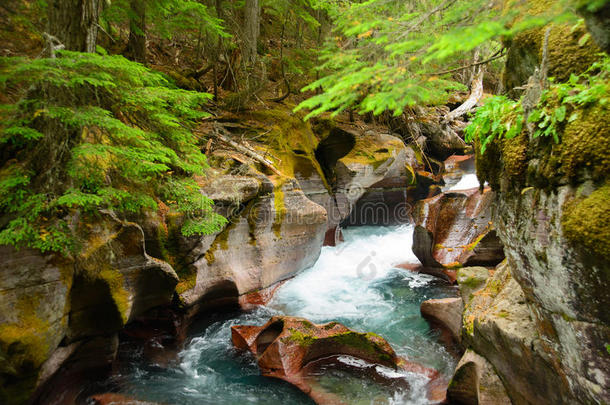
(75,23)
(136,46)
(386,55)
(251,30)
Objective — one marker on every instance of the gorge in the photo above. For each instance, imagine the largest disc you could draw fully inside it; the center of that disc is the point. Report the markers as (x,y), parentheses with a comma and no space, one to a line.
(423,224)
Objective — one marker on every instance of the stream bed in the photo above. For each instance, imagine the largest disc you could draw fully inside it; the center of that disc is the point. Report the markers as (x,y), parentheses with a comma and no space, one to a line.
(356,283)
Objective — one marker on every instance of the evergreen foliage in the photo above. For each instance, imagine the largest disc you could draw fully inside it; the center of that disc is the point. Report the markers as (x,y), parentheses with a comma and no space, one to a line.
(89,132)
(385,55)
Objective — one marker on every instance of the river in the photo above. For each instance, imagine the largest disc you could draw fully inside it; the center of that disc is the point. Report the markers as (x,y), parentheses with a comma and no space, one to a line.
(356,283)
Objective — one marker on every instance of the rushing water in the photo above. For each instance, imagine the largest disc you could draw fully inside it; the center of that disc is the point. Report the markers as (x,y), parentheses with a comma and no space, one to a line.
(355,283)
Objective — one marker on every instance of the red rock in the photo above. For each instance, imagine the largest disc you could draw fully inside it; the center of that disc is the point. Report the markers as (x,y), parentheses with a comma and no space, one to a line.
(333,236)
(291,349)
(454,229)
(260,297)
(111,398)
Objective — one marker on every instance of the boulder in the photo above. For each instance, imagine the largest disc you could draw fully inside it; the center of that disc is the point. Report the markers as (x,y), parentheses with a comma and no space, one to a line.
(371,180)
(445,313)
(476,383)
(291,348)
(454,229)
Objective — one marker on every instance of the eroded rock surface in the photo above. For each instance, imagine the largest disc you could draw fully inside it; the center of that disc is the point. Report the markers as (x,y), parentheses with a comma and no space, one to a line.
(455,229)
(289,348)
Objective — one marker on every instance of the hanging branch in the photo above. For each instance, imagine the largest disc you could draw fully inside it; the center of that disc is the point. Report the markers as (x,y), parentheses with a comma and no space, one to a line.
(499,54)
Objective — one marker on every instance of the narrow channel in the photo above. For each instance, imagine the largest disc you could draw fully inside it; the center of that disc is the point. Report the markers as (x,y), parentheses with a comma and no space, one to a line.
(356,283)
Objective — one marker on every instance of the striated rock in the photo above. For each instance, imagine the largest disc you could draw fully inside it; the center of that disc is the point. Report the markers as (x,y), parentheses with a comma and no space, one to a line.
(291,349)
(445,313)
(476,383)
(500,326)
(116,280)
(273,238)
(34,307)
(454,229)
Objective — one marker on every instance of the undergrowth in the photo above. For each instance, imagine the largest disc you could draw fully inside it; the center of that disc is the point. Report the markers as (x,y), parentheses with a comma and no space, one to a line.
(85,132)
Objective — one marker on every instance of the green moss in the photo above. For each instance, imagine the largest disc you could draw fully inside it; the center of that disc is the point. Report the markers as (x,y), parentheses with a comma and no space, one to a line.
(280,211)
(25,342)
(586,222)
(187,282)
(330,325)
(514,156)
(299,337)
(114,279)
(585,144)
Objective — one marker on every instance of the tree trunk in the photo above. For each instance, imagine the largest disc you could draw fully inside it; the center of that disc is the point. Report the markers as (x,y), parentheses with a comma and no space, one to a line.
(251,30)
(75,23)
(136,46)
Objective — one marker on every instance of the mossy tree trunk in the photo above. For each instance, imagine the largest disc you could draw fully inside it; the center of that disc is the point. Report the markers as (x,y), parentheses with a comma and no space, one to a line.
(136,47)
(75,23)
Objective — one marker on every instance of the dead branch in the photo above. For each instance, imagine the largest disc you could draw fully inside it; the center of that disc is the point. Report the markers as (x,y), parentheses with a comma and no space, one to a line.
(222,134)
(475,95)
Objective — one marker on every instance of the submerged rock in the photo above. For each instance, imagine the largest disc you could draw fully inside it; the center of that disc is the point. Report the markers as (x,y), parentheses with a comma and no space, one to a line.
(291,348)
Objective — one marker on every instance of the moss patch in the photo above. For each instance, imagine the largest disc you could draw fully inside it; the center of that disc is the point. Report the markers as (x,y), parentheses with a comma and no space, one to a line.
(24,342)
(280,211)
(586,222)
(585,143)
(114,279)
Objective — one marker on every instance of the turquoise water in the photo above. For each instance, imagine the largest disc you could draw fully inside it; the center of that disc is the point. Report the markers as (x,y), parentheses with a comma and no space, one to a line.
(355,283)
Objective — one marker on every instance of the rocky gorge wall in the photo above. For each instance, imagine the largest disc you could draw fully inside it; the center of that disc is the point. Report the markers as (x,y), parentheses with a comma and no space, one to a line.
(536,328)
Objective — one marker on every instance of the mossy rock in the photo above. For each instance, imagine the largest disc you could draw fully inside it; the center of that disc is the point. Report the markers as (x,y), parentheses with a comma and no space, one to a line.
(569,52)
(585,144)
(586,223)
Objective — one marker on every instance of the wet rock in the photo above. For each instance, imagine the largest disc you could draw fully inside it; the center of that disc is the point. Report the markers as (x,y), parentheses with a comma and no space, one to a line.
(333,236)
(445,313)
(260,297)
(115,399)
(452,226)
(290,348)
(476,383)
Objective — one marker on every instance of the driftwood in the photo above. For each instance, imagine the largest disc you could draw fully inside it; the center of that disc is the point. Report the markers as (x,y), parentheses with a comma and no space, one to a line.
(476,93)
(222,134)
